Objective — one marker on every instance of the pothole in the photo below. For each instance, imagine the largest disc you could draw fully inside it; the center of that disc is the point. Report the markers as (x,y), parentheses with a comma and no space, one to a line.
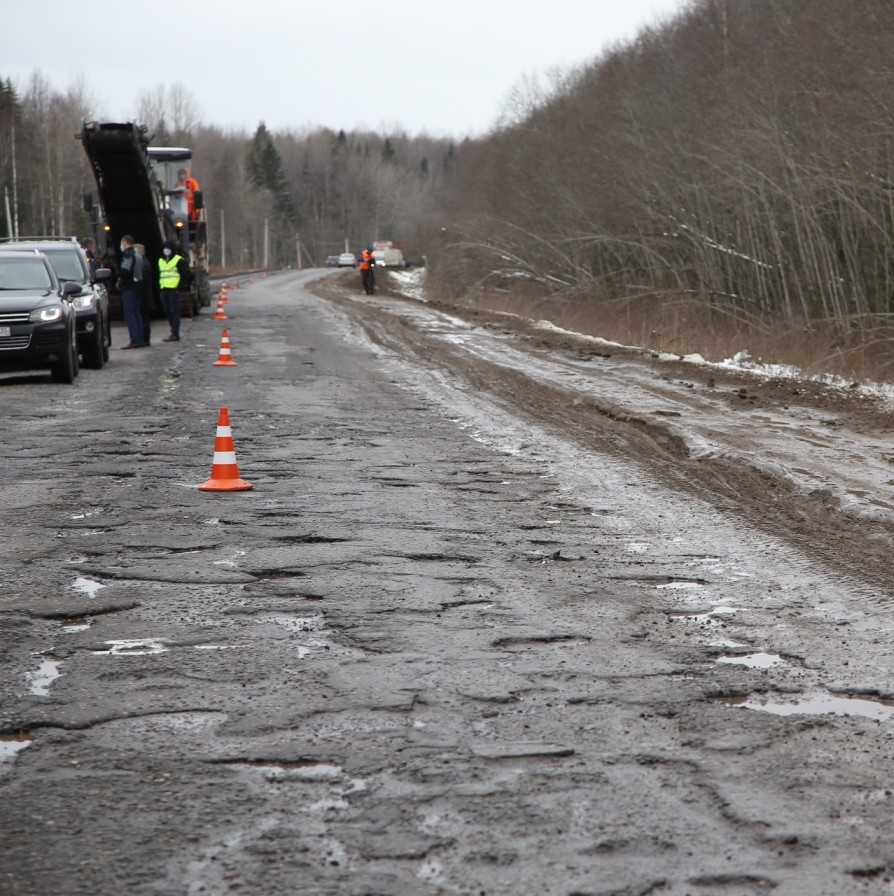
(86,514)
(819,704)
(438,558)
(39,681)
(708,617)
(682,585)
(11,744)
(305,771)
(87,586)
(753,660)
(309,539)
(133,647)
(296,623)
(311,635)
(542,639)
(272,574)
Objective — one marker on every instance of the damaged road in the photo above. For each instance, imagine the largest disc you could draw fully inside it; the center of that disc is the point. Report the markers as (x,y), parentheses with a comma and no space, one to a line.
(506,611)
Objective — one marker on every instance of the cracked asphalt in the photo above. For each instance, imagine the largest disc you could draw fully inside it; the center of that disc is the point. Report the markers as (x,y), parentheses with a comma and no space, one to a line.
(452,642)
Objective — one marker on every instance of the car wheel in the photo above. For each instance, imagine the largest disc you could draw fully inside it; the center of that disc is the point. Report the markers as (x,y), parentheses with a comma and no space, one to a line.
(66,370)
(106,339)
(94,356)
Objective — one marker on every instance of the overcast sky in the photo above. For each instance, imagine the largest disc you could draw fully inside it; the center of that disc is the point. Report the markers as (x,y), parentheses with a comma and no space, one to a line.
(444,68)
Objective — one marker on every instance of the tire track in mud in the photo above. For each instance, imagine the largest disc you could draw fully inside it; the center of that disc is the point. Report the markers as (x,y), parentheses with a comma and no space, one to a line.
(812,522)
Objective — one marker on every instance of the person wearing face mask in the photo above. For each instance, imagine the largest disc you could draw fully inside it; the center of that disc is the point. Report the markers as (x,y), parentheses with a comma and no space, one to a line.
(172,268)
(129,274)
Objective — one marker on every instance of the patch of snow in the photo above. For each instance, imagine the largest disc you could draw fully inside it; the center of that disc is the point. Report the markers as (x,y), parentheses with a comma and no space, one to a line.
(741,361)
(411,282)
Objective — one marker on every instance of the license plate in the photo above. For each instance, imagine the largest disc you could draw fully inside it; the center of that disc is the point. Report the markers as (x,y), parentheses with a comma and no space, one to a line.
(5,331)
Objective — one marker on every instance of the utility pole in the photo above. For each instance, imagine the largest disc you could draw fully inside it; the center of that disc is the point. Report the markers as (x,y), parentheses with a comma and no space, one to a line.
(9,232)
(15,186)
(266,243)
(223,243)
(298,249)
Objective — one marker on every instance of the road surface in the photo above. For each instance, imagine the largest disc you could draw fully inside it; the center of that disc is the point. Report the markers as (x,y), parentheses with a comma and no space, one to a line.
(505,612)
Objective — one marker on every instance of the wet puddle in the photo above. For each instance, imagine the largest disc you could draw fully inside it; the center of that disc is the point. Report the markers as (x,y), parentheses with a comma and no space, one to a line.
(86,514)
(300,772)
(819,705)
(340,784)
(11,744)
(753,660)
(39,682)
(87,586)
(711,616)
(81,624)
(141,647)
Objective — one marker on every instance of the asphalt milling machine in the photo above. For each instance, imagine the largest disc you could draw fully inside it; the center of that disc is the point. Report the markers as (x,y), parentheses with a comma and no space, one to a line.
(141,193)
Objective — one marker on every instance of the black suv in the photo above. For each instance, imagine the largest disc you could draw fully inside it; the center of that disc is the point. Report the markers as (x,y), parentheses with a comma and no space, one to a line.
(91,304)
(37,317)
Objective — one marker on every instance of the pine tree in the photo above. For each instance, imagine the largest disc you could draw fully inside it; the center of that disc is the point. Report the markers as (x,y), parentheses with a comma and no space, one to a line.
(264,166)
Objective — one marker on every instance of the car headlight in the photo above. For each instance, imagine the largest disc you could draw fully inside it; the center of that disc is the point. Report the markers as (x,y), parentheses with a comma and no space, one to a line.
(84,303)
(46,314)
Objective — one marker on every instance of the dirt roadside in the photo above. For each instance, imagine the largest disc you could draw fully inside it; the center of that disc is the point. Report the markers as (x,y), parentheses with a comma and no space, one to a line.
(811,520)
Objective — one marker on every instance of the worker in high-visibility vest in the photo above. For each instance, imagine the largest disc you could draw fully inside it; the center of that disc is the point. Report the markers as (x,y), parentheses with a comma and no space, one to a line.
(368,271)
(172,269)
(190,187)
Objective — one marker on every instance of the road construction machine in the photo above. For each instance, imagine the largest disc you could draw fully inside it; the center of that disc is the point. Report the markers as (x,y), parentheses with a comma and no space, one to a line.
(143,193)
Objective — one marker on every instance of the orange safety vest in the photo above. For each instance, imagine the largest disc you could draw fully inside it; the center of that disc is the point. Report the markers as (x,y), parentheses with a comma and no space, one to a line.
(191,185)
(366,260)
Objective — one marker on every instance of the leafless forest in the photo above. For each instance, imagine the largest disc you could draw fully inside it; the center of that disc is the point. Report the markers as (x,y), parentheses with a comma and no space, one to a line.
(727,177)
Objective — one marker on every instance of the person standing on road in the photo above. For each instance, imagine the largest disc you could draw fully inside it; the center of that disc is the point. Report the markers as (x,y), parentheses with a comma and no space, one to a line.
(367,271)
(172,269)
(145,291)
(128,284)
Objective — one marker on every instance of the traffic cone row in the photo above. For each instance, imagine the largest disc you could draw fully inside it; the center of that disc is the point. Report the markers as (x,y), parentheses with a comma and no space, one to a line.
(224,470)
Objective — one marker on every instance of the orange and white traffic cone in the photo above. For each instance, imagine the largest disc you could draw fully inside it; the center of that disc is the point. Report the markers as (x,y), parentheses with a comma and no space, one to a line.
(224,471)
(220,315)
(225,358)
(224,298)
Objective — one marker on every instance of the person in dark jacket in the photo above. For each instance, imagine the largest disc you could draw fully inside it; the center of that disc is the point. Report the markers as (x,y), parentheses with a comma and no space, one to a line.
(173,269)
(89,247)
(129,274)
(145,290)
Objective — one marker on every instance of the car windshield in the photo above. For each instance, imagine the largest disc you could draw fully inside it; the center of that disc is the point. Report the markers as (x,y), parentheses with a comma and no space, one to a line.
(24,273)
(66,263)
